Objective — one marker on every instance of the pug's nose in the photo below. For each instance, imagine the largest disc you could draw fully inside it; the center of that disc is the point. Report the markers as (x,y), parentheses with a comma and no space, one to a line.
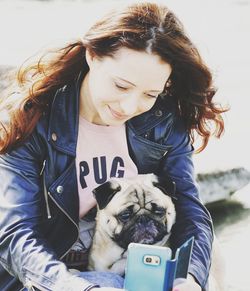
(143,219)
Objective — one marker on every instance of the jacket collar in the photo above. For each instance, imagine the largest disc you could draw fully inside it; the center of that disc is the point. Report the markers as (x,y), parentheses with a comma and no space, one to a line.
(63,123)
(148,120)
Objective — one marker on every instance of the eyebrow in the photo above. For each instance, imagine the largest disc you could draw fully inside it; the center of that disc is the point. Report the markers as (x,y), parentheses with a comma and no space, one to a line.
(135,85)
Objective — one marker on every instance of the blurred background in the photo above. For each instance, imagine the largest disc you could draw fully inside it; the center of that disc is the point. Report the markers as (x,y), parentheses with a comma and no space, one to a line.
(221,31)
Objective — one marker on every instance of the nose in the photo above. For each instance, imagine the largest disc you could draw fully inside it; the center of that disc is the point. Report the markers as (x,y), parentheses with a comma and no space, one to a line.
(144,219)
(130,105)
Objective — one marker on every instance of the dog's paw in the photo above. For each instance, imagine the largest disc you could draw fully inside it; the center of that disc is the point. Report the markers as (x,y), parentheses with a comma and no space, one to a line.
(119,267)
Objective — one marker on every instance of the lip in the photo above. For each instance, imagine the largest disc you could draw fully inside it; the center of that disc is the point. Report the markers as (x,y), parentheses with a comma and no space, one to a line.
(116,114)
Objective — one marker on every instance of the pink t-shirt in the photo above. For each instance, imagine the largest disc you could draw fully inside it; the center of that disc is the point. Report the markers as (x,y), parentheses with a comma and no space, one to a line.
(102,153)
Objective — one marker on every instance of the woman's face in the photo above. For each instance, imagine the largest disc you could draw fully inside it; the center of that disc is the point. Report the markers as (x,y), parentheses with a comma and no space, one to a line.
(123,86)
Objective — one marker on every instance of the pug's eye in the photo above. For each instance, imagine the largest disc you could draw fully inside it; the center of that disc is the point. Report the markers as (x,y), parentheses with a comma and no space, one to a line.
(159,211)
(124,216)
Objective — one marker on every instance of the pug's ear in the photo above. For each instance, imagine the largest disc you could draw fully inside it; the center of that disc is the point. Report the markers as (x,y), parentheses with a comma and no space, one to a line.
(166,185)
(105,192)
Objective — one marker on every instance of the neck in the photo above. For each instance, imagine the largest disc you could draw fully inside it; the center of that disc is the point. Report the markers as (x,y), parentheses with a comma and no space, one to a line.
(84,102)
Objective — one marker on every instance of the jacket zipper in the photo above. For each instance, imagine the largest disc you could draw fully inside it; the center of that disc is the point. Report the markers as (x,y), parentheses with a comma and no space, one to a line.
(48,194)
(70,220)
(42,173)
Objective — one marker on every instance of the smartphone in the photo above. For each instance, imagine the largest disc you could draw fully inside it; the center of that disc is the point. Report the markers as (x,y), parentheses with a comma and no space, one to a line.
(145,267)
(183,256)
(178,266)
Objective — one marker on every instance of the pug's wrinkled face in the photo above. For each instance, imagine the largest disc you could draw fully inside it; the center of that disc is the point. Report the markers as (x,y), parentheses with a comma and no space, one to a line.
(137,210)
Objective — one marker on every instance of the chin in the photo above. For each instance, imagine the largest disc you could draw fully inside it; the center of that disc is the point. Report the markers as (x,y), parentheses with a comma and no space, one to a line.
(112,121)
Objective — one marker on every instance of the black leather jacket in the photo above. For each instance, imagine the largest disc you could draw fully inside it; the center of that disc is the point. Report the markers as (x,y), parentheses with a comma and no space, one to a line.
(39,204)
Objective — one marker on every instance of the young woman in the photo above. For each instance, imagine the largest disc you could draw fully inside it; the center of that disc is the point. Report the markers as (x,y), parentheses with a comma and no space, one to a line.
(125,99)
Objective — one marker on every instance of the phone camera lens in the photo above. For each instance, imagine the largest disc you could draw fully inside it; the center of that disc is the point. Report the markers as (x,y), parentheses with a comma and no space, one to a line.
(148,260)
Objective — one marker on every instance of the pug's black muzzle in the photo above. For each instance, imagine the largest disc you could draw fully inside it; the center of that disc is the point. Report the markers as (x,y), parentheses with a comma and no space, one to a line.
(143,229)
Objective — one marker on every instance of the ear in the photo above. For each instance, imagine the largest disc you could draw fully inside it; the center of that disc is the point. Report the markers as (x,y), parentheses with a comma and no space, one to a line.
(105,192)
(166,185)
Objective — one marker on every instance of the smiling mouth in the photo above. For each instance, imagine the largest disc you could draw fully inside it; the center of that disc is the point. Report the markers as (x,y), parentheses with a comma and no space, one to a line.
(116,114)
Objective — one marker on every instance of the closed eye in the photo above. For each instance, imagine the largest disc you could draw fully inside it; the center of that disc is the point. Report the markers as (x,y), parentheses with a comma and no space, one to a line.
(152,96)
(120,87)
(125,88)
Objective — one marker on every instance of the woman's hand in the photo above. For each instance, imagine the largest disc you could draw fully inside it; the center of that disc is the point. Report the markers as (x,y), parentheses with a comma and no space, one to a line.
(188,284)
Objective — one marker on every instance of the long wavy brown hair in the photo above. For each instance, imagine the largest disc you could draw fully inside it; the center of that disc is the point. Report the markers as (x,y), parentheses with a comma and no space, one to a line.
(146,27)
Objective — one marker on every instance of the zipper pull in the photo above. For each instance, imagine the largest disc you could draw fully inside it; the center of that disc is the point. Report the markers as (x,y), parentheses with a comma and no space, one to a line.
(45,190)
(43,167)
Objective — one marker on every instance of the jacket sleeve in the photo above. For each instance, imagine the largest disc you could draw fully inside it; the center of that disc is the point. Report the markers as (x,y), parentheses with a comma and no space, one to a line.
(24,252)
(193,219)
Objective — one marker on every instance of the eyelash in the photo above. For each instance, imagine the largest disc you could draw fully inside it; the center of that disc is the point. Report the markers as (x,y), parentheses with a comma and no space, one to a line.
(124,89)
(119,87)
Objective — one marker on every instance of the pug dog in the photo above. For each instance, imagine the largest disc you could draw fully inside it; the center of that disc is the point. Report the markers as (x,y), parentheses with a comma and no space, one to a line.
(139,210)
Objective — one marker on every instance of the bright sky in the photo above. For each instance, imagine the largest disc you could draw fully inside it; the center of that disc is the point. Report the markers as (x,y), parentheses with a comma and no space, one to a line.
(220,29)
